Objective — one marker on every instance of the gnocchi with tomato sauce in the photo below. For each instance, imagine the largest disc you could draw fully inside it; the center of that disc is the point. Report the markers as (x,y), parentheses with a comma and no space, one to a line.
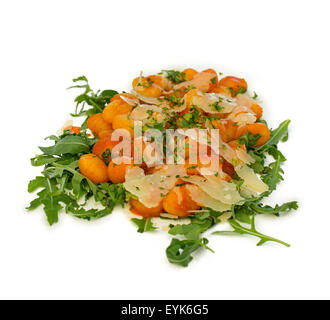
(176,100)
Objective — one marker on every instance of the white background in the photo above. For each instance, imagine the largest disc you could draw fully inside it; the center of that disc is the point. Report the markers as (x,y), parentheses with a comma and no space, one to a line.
(280,47)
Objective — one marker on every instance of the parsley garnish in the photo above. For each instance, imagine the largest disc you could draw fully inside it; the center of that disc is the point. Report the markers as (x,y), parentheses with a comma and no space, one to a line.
(175,76)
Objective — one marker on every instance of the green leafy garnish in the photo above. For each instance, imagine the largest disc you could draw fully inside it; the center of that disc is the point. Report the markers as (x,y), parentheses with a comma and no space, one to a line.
(274,176)
(144,225)
(175,76)
(239,229)
(279,134)
(179,251)
(97,100)
(249,139)
(277,210)
(241,90)
(63,186)
(72,144)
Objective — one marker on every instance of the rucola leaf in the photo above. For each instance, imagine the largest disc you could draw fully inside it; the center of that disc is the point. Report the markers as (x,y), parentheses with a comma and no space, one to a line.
(285,207)
(179,251)
(71,144)
(274,176)
(239,229)
(144,225)
(280,133)
(36,183)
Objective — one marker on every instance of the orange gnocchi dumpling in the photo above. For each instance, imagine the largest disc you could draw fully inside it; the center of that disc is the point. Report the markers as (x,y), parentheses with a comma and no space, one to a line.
(97,124)
(115,108)
(146,87)
(140,209)
(178,202)
(234,84)
(255,128)
(117,170)
(93,168)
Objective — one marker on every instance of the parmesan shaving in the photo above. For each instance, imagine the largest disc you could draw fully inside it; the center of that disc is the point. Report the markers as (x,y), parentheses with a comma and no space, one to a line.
(206,103)
(225,217)
(204,200)
(68,123)
(150,189)
(201,81)
(251,180)
(149,100)
(244,156)
(243,118)
(141,111)
(245,100)
(216,188)
(130,101)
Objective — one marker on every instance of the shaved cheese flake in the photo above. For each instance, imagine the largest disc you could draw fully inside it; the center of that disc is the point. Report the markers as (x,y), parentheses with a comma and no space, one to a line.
(251,180)
(225,217)
(178,108)
(204,200)
(130,101)
(245,100)
(141,111)
(201,81)
(168,85)
(168,216)
(206,103)
(149,100)
(243,118)
(172,108)
(67,124)
(242,115)
(240,109)
(150,189)
(227,102)
(246,192)
(134,173)
(244,156)
(227,152)
(178,193)
(216,188)
(229,190)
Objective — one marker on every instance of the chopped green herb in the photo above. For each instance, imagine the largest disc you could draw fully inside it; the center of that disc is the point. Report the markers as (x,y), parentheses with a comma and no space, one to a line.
(175,76)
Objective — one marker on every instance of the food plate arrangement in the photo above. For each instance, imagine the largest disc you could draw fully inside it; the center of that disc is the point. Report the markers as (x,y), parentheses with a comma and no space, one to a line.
(185,147)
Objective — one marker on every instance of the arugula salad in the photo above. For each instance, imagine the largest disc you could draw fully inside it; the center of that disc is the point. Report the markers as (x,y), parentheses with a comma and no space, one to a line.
(186,148)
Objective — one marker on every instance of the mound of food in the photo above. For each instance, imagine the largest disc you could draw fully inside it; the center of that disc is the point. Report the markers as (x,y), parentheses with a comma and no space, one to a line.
(181,146)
